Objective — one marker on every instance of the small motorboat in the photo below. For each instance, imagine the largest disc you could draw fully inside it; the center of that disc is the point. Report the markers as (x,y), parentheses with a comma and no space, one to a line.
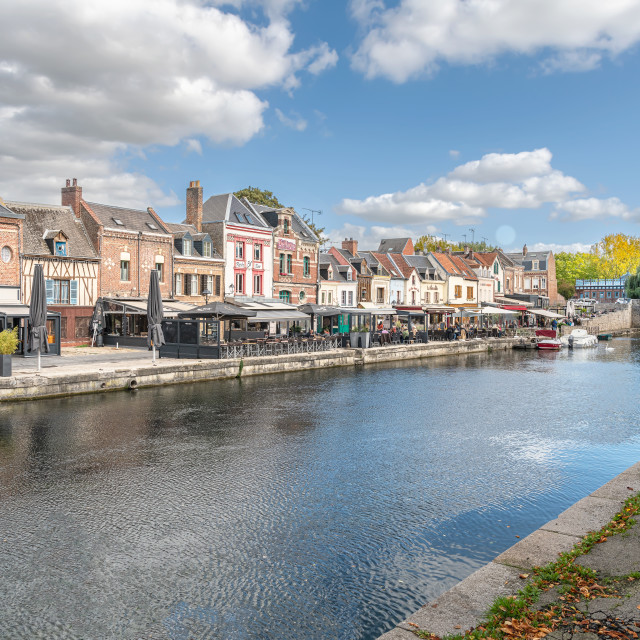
(581,338)
(547,340)
(605,336)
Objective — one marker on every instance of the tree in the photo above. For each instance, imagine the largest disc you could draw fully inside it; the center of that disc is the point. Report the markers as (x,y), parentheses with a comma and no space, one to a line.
(566,289)
(319,231)
(259,196)
(576,266)
(432,243)
(618,254)
(633,285)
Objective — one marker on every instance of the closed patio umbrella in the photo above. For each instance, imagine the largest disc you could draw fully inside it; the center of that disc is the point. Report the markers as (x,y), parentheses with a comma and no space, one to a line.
(154,314)
(38,338)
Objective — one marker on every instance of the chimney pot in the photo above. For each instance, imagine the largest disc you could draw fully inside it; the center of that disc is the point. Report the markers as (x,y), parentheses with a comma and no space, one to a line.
(68,182)
(75,182)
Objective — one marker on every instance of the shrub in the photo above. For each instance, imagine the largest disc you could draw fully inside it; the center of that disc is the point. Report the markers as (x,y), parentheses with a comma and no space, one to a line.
(8,341)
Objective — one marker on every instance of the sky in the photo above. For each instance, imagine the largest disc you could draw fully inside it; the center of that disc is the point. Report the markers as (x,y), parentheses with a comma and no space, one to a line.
(513,121)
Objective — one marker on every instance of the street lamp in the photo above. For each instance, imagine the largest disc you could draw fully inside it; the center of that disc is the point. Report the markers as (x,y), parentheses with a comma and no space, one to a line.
(206,293)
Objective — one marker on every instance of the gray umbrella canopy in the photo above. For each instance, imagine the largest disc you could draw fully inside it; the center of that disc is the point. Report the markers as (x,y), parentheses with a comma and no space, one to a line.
(154,312)
(218,310)
(38,313)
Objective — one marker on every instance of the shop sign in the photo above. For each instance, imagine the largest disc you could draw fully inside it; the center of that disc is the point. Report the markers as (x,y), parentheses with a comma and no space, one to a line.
(287,245)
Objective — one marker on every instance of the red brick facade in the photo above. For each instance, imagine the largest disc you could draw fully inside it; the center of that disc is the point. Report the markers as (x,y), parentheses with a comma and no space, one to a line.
(11,243)
(295,263)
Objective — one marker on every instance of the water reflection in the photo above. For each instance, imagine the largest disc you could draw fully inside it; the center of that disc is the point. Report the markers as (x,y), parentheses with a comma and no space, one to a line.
(328,504)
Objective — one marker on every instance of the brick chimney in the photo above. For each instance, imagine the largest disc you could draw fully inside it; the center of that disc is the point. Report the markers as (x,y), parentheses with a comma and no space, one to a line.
(194,204)
(72,196)
(350,245)
(524,251)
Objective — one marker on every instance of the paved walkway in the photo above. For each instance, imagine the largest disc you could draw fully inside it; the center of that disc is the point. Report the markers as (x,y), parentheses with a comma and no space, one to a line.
(588,614)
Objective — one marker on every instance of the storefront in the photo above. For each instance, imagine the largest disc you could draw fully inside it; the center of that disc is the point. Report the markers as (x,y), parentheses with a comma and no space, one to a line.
(17,315)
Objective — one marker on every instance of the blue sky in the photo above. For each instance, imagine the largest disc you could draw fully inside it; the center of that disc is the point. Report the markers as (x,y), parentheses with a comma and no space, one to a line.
(516,119)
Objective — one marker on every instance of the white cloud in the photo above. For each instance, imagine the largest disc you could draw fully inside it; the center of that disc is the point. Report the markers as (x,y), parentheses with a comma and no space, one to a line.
(596,209)
(505,181)
(574,247)
(416,36)
(193,146)
(454,153)
(109,79)
(297,123)
(369,237)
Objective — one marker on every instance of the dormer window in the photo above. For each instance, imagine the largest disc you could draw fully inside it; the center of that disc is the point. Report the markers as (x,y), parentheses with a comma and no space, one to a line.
(206,249)
(61,248)
(186,247)
(285,225)
(536,264)
(348,274)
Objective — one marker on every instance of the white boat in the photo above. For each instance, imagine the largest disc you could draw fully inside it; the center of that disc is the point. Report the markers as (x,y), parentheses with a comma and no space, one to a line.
(580,339)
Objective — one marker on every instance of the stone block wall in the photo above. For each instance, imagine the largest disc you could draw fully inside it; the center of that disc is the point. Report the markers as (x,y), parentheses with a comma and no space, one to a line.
(615,321)
(635,314)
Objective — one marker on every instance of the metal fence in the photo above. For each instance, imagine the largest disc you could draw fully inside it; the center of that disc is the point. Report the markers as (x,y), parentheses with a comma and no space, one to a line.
(278,347)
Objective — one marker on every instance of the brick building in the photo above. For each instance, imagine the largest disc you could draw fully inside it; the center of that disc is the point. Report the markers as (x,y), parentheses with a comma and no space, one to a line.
(130,242)
(11,234)
(602,290)
(295,255)
(56,239)
(539,276)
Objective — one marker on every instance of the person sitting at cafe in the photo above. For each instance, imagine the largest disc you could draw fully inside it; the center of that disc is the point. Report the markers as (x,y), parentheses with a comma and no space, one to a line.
(380,326)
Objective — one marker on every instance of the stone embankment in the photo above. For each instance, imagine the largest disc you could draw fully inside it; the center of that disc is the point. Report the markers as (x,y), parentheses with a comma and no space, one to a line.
(97,377)
(464,606)
(622,319)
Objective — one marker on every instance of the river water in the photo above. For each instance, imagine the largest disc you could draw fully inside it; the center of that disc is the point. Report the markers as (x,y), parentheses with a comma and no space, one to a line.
(316,505)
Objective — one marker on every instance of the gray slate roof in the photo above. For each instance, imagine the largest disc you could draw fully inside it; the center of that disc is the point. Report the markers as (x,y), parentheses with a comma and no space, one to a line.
(132,219)
(298,225)
(43,220)
(339,275)
(227,208)
(7,213)
(392,245)
(527,261)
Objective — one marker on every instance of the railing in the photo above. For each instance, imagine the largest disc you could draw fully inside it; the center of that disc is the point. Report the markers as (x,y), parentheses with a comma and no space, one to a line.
(278,347)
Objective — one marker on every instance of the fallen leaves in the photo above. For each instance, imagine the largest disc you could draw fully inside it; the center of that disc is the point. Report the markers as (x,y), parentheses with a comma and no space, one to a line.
(524,576)
(523,629)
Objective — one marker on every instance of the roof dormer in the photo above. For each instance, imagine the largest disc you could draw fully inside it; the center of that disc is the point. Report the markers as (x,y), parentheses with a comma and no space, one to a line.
(57,242)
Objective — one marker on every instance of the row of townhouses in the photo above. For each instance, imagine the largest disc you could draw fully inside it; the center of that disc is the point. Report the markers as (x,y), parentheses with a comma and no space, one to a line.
(228,249)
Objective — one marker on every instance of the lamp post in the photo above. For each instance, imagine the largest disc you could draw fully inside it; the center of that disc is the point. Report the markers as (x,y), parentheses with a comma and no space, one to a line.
(206,293)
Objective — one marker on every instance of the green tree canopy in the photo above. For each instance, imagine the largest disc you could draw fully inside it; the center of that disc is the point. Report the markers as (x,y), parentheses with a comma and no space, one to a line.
(432,243)
(259,196)
(633,285)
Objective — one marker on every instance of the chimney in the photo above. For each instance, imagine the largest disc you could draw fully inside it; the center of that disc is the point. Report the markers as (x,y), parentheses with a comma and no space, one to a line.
(449,250)
(194,204)
(72,196)
(350,245)
(524,251)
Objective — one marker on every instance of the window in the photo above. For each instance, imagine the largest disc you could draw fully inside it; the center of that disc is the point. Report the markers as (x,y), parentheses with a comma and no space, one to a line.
(527,283)
(302,296)
(61,248)
(152,226)
(435,297)
(427,297)
(469,293)
(536,283)
(285,296)
(191,284)
(206,284)
(160,270)
(351,298)
(498,286)
(543,283)
(186,247)
(257,252)
(289,263)
(324,298)
(207,249)
(178,284)
(124,270)
(380,295)
(118,222)
(496,267)
(282,259)
(62,291)
(458,291)
(349,274)
(363,294)
(285,225)
(306,266)
(239,283)
(257,284)
(535,265)
(344,298)
(329,298)
(413,280)
(608,294)
(239,250)
(413,297)
(6,254)
(218,285)
(507,287)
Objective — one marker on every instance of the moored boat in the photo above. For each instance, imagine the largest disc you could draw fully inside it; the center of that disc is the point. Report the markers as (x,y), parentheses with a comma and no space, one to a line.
(581,338)
(547,340)
(605,336)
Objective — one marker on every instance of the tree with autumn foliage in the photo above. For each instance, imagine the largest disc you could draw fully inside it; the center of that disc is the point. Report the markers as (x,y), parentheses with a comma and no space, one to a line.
(618,254)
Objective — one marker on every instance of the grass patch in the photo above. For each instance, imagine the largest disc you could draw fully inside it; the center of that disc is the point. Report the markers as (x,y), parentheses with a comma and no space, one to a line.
(514,618)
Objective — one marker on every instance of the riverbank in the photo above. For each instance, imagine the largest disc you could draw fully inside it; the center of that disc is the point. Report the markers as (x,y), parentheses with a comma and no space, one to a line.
(108,369)
(465,606)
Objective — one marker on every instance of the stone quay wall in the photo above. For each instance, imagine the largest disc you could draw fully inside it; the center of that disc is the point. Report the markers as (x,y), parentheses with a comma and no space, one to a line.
(610,322)
(52,383)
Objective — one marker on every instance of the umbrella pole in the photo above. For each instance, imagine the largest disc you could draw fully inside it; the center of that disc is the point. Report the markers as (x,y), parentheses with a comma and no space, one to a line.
(153,346)
(38,358)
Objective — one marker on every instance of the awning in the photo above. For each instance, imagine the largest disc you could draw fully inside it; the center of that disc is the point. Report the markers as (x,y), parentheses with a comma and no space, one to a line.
(497,311)
(374,311)
(438,308)
(277,315)
(371,308)
(15,310)
(545,314)
(513,301)
(319,310)
(170,309)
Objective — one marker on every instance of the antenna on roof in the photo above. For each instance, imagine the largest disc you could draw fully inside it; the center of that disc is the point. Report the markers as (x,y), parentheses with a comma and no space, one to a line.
(318,211)
(445,236)
(464,235)
(486,240)
(473,235)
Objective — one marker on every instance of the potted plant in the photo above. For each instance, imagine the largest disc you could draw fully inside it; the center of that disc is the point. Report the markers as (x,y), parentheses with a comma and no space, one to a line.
(8,345)
(359,336)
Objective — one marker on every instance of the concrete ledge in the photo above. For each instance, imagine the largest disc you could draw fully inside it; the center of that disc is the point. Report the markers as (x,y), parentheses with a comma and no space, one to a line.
(54,382)
(465,605)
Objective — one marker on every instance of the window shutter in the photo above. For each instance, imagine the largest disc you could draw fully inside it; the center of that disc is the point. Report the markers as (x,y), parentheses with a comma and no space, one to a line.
(217,285)
(73,292)
(49,287)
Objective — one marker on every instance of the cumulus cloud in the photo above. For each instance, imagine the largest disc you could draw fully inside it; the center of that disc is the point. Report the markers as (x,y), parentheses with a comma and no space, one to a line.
(413,37)
(369,237)
(596,209)
(505,181)
(296,122)
(110,78)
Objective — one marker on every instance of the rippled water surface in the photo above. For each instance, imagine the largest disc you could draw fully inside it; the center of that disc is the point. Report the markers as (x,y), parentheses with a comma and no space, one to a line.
(316,505)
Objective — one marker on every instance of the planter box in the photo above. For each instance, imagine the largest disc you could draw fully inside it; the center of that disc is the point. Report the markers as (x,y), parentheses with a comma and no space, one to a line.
(360,339)
(5,362)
